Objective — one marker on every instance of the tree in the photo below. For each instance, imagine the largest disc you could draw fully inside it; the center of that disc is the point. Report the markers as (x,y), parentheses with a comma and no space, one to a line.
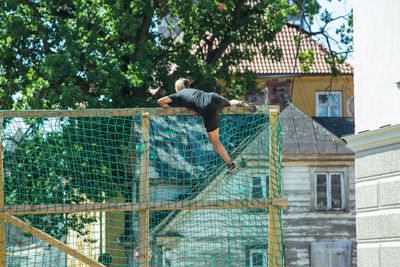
(103,53)
(338,43)
(35,173)
(109,53)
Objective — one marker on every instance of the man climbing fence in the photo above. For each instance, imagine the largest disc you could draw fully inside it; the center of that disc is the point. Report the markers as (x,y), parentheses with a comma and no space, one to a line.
(209,106)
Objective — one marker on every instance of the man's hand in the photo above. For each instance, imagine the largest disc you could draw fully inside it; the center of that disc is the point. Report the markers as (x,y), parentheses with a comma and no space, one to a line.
(164,101)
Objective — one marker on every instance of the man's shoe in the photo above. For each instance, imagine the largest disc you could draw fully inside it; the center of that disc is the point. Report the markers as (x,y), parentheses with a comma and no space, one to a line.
(248,106)
(232,168)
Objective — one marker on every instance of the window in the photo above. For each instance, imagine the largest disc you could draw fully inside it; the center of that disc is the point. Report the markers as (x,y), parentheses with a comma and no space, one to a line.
(167,258)
(258,258)
(329,104)
(259,189)
(329,191)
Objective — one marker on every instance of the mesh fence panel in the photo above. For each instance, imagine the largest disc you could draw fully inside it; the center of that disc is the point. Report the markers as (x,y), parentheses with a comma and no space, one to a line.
(139,187)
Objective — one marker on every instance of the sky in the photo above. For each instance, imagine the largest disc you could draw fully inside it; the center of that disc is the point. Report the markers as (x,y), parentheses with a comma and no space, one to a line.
(337,8)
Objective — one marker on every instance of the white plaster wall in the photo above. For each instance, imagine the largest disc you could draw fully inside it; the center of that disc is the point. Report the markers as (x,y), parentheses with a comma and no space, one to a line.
(378,208)
(377,103)
(377,63)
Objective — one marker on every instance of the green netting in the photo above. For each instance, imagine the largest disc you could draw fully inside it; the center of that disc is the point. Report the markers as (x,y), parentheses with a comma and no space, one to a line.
(117,187)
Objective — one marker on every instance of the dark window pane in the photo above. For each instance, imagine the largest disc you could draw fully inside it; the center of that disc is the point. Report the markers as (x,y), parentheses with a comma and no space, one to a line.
(322,203)
(257,188)
(335,179)
(257,192)
(322,98)
(336,188)
(257,258)
(321,179)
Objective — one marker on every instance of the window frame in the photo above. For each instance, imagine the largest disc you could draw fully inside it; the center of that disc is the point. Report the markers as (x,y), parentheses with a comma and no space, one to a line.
(263,185)
(264,189)
(343,186)
(264,252)
(166,256)
(318,104)
(250,249)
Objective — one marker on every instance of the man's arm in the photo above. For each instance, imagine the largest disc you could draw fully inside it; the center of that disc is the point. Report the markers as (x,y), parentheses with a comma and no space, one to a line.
(164,101)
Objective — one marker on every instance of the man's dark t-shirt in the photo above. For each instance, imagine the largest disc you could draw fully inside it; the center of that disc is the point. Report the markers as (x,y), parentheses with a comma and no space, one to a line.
(208,105)
(193,99)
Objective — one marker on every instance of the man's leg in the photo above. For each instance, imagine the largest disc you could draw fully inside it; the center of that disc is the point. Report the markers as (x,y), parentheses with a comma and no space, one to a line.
(214,139)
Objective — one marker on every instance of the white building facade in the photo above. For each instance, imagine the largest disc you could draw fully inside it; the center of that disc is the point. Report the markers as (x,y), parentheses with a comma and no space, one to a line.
(377,139)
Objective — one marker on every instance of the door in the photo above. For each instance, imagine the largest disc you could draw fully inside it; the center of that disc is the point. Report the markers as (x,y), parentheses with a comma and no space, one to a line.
(331,254)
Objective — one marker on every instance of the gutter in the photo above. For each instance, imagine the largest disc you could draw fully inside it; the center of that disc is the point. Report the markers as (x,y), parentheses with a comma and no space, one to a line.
(384,136)
(290,75)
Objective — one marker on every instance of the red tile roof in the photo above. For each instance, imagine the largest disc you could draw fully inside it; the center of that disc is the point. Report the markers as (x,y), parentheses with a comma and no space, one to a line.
(262,65)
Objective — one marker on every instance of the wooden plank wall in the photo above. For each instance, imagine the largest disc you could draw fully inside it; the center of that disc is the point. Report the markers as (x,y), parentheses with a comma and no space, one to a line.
(303,225)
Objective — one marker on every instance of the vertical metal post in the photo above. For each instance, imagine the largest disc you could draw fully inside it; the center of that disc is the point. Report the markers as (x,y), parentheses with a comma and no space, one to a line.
(2,222)
(144,243)
(275,235)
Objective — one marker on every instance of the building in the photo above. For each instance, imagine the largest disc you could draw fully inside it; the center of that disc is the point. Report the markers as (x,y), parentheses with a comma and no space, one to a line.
(377,139)
(318,179)
(318,226)
(315,91)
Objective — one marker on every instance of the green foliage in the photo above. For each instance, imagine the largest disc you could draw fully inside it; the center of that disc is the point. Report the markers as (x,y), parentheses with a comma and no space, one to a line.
(34,175)
(346,34)
(70,163)
(331,61)
(306,60)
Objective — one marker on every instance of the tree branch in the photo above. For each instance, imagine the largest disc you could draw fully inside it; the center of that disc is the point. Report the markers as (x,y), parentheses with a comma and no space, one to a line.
(216,54)
(143,30)
(38,16)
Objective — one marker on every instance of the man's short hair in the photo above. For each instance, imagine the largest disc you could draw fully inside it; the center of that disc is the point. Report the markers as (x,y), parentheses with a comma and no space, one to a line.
(182,83)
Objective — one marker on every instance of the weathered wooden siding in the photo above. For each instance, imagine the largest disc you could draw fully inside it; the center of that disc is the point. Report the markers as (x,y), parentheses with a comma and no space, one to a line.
(215,237)
(222,252)
(302,224)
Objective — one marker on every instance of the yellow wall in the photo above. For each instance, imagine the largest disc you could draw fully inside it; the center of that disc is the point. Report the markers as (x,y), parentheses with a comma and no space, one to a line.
(305,88)
(77,242)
